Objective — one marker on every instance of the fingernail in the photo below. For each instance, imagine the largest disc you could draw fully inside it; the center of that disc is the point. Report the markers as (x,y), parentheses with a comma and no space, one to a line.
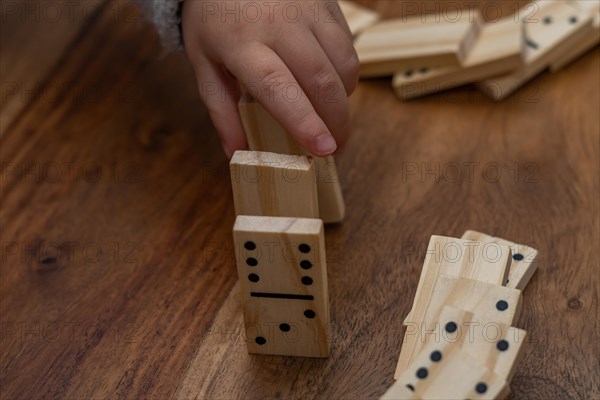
(325,144)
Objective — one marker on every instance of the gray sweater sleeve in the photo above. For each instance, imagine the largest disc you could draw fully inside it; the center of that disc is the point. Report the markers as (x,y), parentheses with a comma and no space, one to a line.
(166,16)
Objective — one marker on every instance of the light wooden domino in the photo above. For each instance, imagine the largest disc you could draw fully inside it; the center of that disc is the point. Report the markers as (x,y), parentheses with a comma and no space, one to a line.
(486,261)
(498,347)
(593,39)
(442,370)
(495,348)
(552,29)
(488,302)
(283,278)
(269,184)
(524,261)
(264,133)
(432,40)
(357,16)
(497,50)
(399,391)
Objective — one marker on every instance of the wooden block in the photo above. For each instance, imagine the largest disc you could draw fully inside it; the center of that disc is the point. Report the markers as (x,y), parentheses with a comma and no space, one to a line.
(591,7)
(264,133)
(498,347)
(399,391)
(497,50)
(491,303)
(553,28)
(523,263)
(357,16)
(432,40)
(283,279)
(486,262)
(443,371)
(569,55)
(269,184)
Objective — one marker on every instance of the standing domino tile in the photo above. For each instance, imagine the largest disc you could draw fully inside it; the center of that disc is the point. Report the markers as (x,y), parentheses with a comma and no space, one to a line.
(482,261)
(490,303)
(283,278)
(551,28)
(523,263)
(432,40)
(443,371)
(496,51)
(264,133)
(269,184)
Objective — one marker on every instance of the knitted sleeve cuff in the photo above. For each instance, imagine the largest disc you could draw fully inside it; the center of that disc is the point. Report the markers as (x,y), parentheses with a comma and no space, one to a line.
(166,17)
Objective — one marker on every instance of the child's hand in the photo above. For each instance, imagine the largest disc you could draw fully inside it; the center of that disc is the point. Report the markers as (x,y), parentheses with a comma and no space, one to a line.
(295,57)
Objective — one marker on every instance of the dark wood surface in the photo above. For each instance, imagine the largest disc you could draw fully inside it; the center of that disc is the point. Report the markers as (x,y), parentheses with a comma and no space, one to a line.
(117,272)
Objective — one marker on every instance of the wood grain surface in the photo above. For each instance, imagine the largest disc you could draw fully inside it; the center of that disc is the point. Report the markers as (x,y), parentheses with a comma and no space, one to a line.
(117,268)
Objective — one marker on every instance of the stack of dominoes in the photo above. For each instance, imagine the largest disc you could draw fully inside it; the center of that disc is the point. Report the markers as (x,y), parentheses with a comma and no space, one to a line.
(282,199)
(435,52)
(459,341)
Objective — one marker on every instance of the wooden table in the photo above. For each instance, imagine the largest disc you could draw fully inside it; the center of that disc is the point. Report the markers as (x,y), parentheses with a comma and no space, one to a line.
(117,269)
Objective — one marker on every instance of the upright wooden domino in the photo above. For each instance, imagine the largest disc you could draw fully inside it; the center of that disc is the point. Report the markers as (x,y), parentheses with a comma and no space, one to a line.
(283,275)
(497,50)
(442,371)
(490,303)
(552,28)
(264,133)
(269,184)
(429,40)
(483,261)
(523,263)
(593,8)
(357,16)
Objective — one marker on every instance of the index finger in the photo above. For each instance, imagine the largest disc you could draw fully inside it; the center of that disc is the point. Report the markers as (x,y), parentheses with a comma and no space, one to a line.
(271,83)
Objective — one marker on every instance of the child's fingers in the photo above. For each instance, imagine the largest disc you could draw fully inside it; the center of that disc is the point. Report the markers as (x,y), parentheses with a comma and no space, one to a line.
(220,94)
(319,80)
(271,83)
(336,41)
